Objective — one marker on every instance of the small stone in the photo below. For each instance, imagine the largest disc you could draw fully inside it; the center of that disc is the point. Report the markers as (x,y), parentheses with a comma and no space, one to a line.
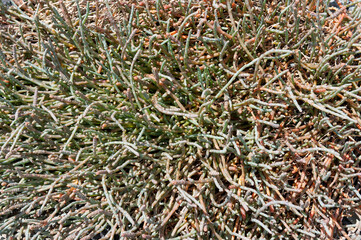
(333,3)
(6,2)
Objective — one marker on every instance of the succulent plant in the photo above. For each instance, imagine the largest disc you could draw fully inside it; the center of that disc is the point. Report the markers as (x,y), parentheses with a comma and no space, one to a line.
(163,119)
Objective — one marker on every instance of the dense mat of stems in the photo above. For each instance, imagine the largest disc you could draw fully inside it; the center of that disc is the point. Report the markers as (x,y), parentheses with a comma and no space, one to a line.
(175,119)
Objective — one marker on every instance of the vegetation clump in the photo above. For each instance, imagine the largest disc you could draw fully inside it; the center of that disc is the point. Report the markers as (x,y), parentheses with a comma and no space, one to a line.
(164,119)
